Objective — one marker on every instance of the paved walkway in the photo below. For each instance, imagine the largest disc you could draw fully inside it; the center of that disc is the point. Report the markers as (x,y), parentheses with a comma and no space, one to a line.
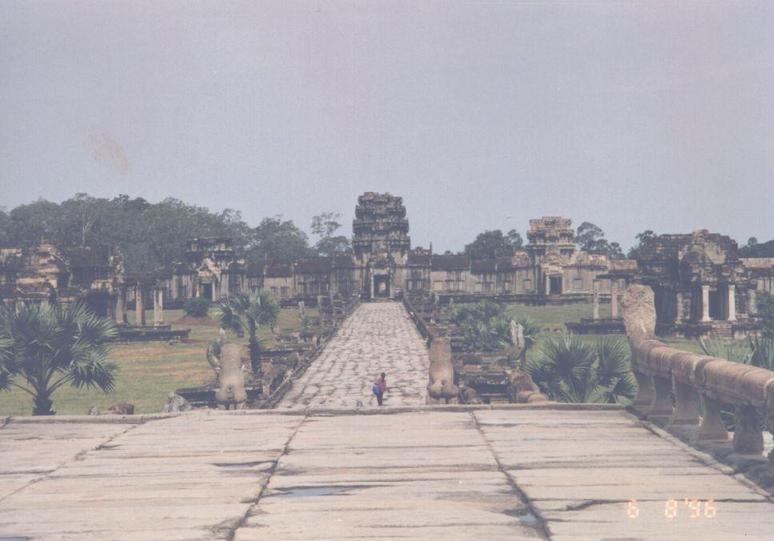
(509,473)
(377,337)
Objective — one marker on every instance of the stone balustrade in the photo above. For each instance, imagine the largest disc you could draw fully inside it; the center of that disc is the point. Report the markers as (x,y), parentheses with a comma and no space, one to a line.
(687,389)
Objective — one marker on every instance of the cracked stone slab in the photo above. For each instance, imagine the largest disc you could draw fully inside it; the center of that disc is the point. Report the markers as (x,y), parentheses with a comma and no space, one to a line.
(416,474)
(602,475)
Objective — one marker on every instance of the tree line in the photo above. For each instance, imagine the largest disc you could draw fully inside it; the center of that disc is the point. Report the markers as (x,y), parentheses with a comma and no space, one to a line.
(151,235)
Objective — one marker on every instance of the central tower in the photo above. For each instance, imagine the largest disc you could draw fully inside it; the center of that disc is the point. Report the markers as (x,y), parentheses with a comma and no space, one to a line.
(380,241)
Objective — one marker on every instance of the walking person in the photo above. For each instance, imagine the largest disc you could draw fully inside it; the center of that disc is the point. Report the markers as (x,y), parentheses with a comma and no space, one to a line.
(380,387)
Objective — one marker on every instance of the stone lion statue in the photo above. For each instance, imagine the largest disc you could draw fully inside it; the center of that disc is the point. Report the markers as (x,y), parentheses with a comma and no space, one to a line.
(441,373)
(226,360)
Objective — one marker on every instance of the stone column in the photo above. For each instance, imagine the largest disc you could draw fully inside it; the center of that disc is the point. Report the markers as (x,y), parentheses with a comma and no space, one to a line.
(613,298)
(686,410)
(748,438)
(731,302)
(711,426)
(679,305)
(224,278)
(158,306)
(548,284)
(705,291)
(139,307)
(595,302)
(120,312)
(752,305)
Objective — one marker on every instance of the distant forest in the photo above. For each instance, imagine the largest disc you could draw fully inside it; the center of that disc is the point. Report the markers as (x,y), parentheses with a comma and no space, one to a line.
(151,235)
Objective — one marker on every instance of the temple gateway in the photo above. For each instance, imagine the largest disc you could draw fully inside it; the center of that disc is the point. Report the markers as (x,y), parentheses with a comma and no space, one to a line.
(383,264)
(701,283)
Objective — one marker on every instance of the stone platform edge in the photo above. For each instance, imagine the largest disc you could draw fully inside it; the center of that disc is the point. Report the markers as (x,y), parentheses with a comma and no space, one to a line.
(309,412)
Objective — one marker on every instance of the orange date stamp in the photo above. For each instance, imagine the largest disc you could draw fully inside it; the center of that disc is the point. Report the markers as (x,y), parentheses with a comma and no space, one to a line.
(690,508)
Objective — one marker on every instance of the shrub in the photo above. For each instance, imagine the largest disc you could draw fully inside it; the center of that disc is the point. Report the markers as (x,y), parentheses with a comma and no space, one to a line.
(766,313)
(197,307)
(483,325)
(572,370)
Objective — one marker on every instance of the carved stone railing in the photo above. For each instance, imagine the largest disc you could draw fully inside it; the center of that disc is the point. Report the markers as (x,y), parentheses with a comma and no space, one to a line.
(686,388)
(422,326)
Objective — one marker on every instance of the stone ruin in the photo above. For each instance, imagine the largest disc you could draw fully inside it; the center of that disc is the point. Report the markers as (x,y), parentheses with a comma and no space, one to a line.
(458,376)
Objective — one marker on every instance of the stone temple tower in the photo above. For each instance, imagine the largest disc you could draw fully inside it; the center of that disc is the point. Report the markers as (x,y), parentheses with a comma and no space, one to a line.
(381,243)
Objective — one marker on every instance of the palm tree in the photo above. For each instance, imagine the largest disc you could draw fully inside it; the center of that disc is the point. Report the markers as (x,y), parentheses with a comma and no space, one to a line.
(562,368)
(43,347)
(572,370)
(613,369)
(248,312)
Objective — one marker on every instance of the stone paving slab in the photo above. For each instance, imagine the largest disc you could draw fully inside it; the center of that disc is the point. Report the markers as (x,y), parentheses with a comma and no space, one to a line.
(586,472)
(189,477)
(524,473)
(420,475)
(375,338)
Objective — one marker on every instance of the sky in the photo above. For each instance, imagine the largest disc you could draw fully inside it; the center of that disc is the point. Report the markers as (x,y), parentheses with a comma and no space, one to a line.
(481,115)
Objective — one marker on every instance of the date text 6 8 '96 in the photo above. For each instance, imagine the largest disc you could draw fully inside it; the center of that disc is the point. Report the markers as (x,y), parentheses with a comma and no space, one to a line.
(688,508)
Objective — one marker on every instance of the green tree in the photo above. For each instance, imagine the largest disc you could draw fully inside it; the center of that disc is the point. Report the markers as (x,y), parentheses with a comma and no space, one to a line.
(570,369)
(148,235)
(483,325)
(197,307)
(45,347)
(494,244)
(757,249)
(643,239)
(247,312)
(35,222)
(589,237)
(614,251)
(324,226)
(765,304)
(5,228)
(515,239)
(276,239)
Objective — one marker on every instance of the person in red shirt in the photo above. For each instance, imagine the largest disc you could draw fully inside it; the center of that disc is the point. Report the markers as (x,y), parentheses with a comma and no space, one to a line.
(380,387)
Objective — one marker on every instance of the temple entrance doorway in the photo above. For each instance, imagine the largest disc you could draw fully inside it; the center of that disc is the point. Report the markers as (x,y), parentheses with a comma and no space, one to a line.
(207,291)
(381,286)
(555,285)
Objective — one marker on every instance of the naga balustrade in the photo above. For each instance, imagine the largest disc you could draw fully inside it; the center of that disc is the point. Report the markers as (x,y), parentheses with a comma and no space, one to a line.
(700,384)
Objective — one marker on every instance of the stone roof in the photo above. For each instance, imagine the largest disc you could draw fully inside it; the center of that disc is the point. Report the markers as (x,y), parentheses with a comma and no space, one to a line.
(676,246)
(88,257)
(279,270)
(483,266)
(343,261)
(757,263)
(314,265)
(418,260)
(253,270)
(450,262)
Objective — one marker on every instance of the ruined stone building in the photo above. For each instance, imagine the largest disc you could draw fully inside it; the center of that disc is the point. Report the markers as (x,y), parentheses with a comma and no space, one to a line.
(382,264)
(701,283)
(47,273)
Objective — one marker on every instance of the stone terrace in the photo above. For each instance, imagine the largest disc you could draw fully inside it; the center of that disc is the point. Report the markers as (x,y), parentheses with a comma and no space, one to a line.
(377,337)
(515,472)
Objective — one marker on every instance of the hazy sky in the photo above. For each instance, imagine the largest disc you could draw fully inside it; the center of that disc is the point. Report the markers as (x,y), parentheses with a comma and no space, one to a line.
(632,115)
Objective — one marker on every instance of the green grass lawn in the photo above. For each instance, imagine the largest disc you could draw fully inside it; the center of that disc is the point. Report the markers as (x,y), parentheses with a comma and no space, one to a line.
(148,371)
(551,320)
